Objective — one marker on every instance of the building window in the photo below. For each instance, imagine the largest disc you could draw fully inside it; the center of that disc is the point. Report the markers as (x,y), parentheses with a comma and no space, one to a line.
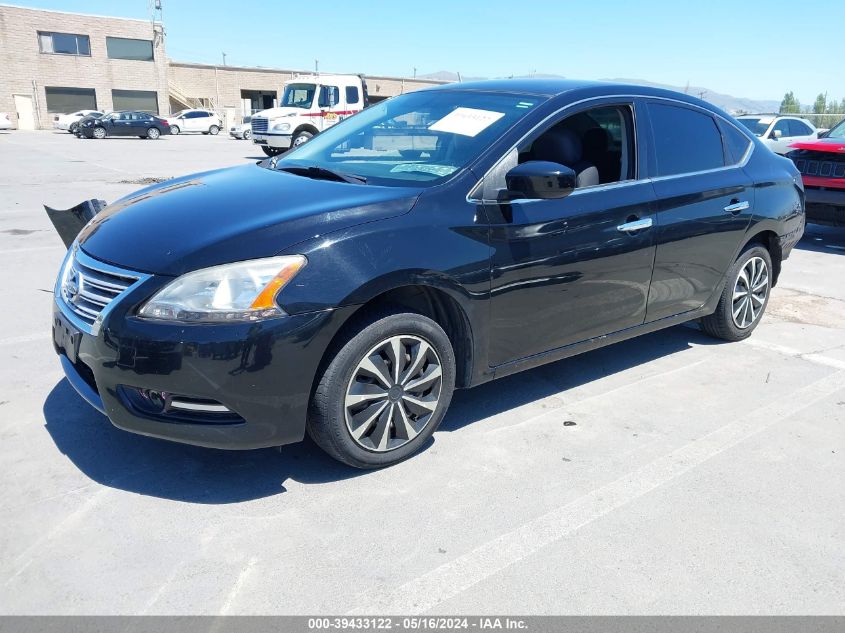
(124,48)
(64,100)
(141,100)
(64,43)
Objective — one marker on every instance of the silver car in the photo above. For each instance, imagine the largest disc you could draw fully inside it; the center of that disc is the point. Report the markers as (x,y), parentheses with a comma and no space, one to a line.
(242,130)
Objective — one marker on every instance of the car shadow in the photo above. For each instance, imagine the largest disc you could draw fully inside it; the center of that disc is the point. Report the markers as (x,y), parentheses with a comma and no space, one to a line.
(823,239)
(179,472)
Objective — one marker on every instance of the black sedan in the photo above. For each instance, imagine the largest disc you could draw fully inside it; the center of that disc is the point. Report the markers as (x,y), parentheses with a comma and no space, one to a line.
(140,124)
(437,240)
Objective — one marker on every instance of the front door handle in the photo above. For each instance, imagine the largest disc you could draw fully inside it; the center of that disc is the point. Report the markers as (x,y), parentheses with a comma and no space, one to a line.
(635,225)
(736,206)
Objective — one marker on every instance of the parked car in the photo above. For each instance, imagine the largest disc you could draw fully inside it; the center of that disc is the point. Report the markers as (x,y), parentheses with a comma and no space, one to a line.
(70,122)
(778,132)
(242,130)
(5,121)
(192,120)
(822,166)
(130,123)
(437,240)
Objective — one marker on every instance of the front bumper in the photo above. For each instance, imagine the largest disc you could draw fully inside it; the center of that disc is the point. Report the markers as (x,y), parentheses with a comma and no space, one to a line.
(825,205)
(260,372)
(281,141)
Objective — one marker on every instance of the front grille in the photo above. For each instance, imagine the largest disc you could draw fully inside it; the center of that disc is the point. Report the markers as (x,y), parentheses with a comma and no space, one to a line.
(89,286)
(258,124)
(824,168)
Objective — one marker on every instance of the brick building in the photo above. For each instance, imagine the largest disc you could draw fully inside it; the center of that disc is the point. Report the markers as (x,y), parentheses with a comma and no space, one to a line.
(61,62)
(56,62)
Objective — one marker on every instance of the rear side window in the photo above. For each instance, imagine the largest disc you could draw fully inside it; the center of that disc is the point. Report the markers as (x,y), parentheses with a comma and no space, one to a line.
(351,95)
(685,140)
(736,142)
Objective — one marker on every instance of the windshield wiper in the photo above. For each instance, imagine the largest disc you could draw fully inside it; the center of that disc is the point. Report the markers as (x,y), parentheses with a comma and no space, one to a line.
(321,173)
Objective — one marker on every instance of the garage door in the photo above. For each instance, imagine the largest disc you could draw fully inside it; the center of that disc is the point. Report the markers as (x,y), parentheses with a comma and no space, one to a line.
(141,100)
(63,99)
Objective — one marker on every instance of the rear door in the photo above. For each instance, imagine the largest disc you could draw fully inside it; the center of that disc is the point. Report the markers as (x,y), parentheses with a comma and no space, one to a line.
(704,204)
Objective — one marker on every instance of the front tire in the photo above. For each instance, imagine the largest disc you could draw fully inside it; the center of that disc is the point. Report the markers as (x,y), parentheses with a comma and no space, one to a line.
(744,298)
(213,130)
(271,151)
(153,133)
(384,392)
(300,138)
(174,129)
(99,132)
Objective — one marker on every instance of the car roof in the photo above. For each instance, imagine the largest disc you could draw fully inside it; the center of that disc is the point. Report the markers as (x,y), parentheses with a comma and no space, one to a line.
(542,87)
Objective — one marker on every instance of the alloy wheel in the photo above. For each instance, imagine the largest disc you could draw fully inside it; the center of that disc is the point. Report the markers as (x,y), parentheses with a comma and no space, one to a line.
(393,393)
(750,292)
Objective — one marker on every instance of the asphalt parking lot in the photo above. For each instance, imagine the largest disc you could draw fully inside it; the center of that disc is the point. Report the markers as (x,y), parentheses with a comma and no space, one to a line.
(667,474)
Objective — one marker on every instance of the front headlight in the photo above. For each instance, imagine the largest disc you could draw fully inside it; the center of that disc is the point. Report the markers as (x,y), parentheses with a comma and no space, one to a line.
(243,291)
(281,127)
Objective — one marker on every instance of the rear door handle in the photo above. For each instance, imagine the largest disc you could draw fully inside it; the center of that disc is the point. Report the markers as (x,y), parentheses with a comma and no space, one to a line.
(635,225)
(736,206)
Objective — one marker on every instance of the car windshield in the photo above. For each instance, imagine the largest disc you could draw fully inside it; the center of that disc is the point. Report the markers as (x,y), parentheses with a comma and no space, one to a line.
(298,95)
(758,127)
(838,130)
(419,138)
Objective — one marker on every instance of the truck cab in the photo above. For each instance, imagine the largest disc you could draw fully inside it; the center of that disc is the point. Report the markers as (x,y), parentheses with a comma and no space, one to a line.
(309,105)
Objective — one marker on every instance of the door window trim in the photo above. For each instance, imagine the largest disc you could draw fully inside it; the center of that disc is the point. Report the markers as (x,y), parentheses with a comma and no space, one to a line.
(611,98)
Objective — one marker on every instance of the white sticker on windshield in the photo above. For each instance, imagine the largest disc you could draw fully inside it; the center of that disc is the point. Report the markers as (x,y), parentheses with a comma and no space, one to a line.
(466,121)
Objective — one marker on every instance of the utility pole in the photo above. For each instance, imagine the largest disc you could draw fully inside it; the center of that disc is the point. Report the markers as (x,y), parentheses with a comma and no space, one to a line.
(415,72)
(224,59)
(316,66)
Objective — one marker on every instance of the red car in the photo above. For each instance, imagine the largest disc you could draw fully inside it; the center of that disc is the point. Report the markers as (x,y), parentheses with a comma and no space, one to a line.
(822,166)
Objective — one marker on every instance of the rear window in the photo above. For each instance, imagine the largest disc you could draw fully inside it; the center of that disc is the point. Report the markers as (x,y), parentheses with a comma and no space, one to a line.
(685,140)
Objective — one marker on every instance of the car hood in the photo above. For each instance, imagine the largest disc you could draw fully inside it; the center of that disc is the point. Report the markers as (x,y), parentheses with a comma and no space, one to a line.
(230,215)
(833,145)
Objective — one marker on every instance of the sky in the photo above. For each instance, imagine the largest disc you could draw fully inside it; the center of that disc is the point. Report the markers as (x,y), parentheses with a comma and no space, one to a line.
(746,48)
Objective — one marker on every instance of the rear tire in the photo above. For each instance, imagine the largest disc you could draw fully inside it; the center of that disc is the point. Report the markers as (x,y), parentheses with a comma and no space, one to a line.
(174,129)
(247,135)
(73,128)
(744,298)
(403,402)
(213,130)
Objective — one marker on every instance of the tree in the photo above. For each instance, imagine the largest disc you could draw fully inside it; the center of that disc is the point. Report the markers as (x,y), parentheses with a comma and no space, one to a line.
(790,105)
(842,106)
(820,106)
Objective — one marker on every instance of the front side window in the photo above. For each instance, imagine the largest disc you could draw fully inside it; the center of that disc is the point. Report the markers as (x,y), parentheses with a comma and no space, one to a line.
(685,140)
(781,126)
(329,96)
(298,95)
(416,139)
(799,128)
(64,43)
(597,144)
(125,48)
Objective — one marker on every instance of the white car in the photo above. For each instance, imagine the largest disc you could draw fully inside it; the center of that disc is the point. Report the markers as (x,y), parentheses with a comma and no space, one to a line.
(194,120)
(242,130)
(70,121)
(778,132)
(5,121)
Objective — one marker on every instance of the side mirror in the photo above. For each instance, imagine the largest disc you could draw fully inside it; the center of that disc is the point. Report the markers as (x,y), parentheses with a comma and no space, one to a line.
(776,134)
(540,180)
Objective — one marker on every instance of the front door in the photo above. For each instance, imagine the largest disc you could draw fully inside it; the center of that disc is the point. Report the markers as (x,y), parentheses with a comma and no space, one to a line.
(705,204)
(24,111)
(328,101)
(571,269)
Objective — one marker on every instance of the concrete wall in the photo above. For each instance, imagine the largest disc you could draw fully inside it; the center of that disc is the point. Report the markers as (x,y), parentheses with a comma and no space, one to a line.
(222,85)
(27,71)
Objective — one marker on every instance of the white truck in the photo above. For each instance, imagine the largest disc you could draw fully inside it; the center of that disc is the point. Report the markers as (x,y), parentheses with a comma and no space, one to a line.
(309,105)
